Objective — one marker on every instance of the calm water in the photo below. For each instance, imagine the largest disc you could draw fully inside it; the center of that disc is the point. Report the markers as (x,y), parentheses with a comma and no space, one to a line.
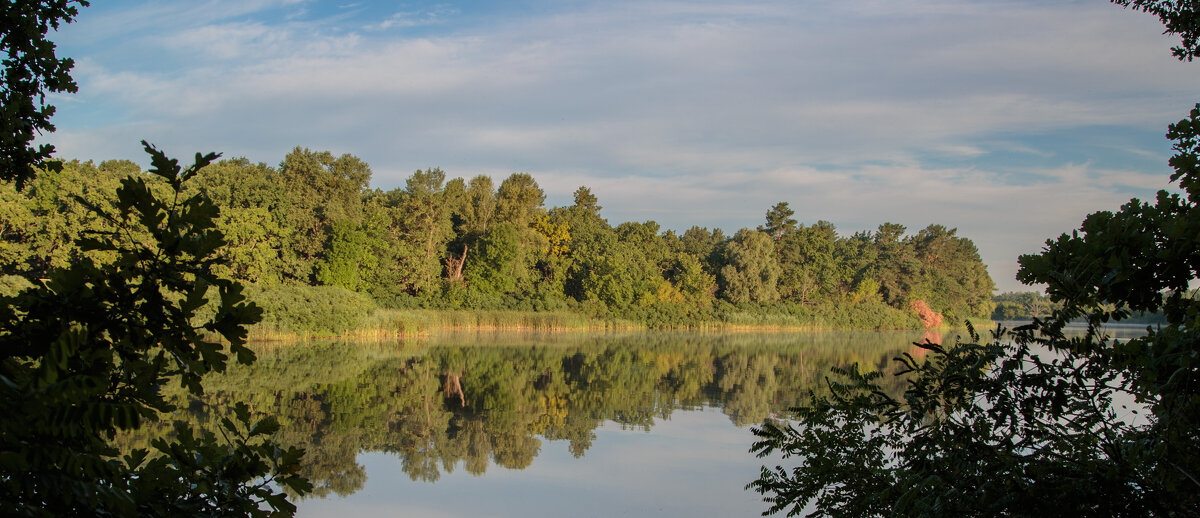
(638,424)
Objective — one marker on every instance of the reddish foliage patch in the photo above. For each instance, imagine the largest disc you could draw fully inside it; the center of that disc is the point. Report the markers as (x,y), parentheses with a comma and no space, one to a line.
(929,317)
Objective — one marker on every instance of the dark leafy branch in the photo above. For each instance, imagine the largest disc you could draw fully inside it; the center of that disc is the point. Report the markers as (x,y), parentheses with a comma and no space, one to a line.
(87,352)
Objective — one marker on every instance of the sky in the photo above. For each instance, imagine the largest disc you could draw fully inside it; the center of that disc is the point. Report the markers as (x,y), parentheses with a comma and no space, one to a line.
(1009,120)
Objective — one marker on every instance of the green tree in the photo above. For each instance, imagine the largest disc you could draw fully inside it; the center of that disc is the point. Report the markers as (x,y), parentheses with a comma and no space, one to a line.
(704,245)
(610,271)
(385,222)
(519,200)
(254,238)
(1025,305)
(586,201)
(811,264)
(751,273)
(645,237)
(779,220)
(690,278)
(42,223)
(953,279)
(581,222)
(896,267)
(349,255)
(318,189)
(497,264)
(480,206)
(251,218)
(254,220)
(426,227)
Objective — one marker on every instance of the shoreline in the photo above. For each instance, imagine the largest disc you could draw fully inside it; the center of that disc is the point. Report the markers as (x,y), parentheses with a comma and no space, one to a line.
(402,324)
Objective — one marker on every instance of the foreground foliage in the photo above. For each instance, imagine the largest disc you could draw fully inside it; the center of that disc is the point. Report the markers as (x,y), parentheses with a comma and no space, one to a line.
(31,70)
(1036,421)
(85,353)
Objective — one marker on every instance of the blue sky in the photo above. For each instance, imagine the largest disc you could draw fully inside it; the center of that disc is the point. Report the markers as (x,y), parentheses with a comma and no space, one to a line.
(1007,119)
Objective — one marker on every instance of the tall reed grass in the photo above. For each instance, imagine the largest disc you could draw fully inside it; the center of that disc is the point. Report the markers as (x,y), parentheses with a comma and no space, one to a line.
(299,313)
(382,324)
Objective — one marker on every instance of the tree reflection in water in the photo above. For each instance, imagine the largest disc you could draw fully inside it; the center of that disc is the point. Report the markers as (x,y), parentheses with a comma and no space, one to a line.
(473,401)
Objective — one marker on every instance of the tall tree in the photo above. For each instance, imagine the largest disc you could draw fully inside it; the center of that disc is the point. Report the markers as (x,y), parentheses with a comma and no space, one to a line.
(609,271)
(779,221)
(812,269)
(480,205)
(31,70)
(497,264)
(644,237)
(587,202)
(859,254)
(751,273)
(385,222)
(319,188)
(519,200)
(896,267)
(427,228)
(349,257)
(690,278)
(704,245)
(954,280)
(251,218)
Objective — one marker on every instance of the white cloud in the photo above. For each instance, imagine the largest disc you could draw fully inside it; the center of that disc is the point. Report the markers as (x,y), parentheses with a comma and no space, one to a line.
(230,41)
(404,19)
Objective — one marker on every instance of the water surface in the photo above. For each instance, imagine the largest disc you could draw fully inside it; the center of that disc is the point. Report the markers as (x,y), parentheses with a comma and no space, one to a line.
(486,424)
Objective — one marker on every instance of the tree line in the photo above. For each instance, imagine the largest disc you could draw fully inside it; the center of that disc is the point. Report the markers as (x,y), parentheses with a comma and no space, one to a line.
(443,242)
(1028,305)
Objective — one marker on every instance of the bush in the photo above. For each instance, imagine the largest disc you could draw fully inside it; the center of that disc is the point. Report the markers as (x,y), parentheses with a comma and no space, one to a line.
(315,310)
(11,285)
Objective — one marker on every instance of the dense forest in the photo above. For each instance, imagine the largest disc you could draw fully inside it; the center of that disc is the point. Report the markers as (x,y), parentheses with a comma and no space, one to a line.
(311,232)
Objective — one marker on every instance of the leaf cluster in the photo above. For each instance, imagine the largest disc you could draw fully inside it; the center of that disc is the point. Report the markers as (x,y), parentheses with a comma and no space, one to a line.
(983,429)
(1179,17)
(85,354)
(31,70)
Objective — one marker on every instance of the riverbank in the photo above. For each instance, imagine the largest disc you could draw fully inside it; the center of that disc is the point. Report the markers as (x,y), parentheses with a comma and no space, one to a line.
(383,324)
(316,312)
